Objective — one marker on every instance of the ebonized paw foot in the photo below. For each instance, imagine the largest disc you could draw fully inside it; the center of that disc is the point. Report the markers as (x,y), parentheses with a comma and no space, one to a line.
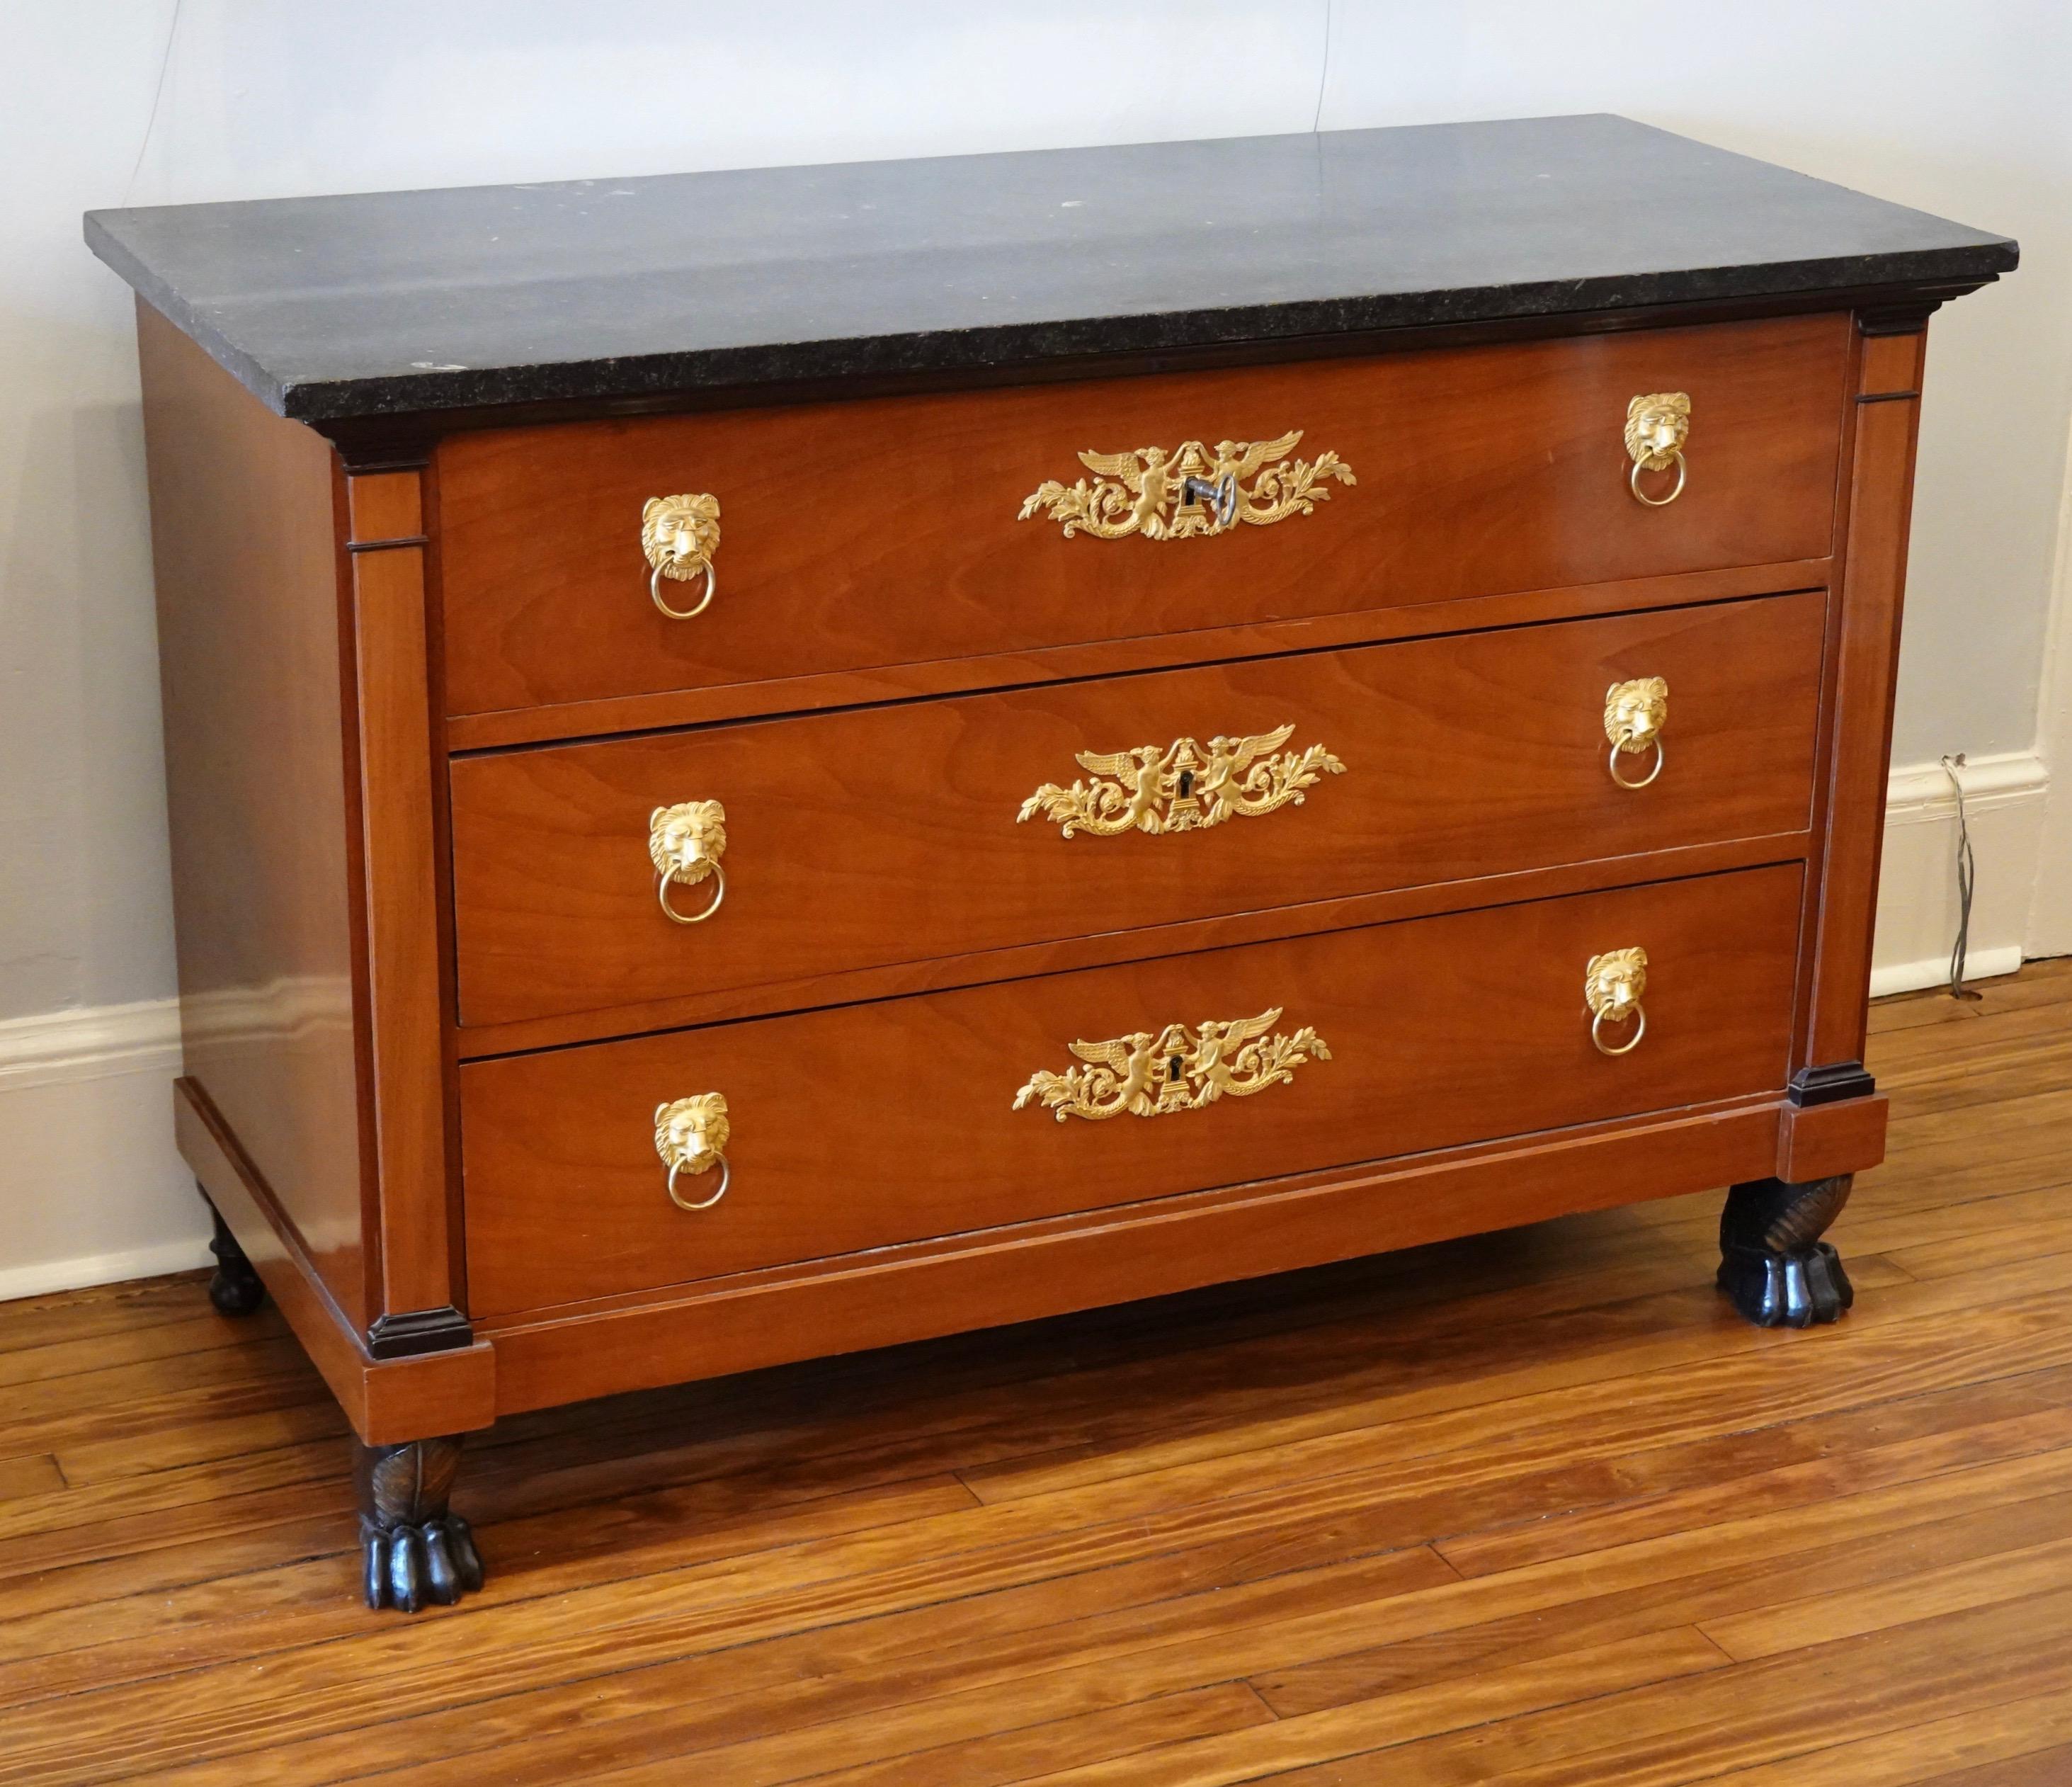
(1789,1290)
(431,1564)
(417,1551)
(235,1288)
(1773,1263)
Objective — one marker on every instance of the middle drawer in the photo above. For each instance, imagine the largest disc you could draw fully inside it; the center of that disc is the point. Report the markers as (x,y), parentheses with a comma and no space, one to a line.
(944,828)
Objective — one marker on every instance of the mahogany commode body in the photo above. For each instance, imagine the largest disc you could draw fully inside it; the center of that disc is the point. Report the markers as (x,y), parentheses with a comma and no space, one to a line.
(1154,793)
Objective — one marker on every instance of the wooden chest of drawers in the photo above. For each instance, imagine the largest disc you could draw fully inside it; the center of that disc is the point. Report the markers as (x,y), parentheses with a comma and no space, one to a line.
(817,759)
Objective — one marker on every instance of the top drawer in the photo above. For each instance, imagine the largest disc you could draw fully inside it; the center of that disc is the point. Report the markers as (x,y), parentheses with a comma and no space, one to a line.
(867,534)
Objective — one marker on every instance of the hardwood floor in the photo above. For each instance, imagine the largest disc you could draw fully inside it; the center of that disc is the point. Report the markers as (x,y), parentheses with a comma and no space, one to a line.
(1534,1508)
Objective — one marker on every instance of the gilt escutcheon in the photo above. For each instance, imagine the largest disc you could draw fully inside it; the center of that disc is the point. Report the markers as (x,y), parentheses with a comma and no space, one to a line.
(1152,1074)
(1195,492)
(1184,786)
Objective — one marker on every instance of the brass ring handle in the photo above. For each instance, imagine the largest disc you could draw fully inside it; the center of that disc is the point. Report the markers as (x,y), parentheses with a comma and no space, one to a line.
(725,1173)
(1657,425)
(1618,750)
(685,843)
(680,535)
(1675,490)
(691,1135)
(665,882)
(1612,984)
(705,602)
(1597,1036)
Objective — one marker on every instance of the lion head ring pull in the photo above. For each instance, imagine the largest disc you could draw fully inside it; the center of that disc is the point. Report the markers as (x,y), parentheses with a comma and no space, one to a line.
(1612,984)
(681,535)
(1635,715)
(691,1136)
(685,843)
(1657,425)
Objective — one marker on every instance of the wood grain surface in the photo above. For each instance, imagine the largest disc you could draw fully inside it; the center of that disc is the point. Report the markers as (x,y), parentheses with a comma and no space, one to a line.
(669,708)
(873,1124)
(861,839)
(884,532)
(403,948)
(1533,1507)
(1879,504)
(262,787)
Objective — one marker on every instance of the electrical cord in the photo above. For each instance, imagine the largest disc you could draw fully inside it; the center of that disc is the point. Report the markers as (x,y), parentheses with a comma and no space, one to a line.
(1967,870)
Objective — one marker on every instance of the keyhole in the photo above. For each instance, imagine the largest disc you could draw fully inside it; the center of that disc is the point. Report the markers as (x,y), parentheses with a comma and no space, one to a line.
(1173,1068)
(1186,783)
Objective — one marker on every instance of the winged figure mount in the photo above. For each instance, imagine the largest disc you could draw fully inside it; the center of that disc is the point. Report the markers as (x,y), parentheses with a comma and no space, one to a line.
(1154,1073)
(1184,786)
(1197,490)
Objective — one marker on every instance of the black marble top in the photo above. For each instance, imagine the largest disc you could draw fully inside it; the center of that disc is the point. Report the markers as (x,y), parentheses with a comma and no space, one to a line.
(388,303)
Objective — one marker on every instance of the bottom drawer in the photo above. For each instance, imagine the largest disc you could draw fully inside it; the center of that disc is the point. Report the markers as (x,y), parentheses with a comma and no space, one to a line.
(945,1113)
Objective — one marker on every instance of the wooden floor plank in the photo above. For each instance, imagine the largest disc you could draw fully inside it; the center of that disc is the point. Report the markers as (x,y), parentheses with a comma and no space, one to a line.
(1080,1638)
(1739,1718)
(34,1474)
(1104,1736)
(1261,1747)
(1832,1471)
(402,1671)
(2041,1768)
(1532,1506)
(182,1340)
(1970,1750)
(1912,1010)
(1500,1622)
(57,1318)
(1810,1620)
(67,1401)
(1512,1480)
(1915,1233)
(1712,1374)
(730,1695)
(1647,1735)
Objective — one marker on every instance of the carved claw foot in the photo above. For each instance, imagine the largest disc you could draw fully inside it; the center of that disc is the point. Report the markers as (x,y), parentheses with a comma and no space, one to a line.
(235,1288)
(417,1552)
(1773,1263)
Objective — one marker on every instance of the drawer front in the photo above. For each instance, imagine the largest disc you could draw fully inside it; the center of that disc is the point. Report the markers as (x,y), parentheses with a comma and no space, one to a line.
(868,1125)
(871,837)
(868,534)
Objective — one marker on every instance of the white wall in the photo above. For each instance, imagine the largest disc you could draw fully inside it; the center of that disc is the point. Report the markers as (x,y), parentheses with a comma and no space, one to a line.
(1953,104)
(1962,107)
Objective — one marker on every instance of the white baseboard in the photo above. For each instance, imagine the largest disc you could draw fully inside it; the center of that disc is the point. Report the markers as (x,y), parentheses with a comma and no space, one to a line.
(45,1277)
(92,1190)
(1912,977)
(59,1048)
(1917,908)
